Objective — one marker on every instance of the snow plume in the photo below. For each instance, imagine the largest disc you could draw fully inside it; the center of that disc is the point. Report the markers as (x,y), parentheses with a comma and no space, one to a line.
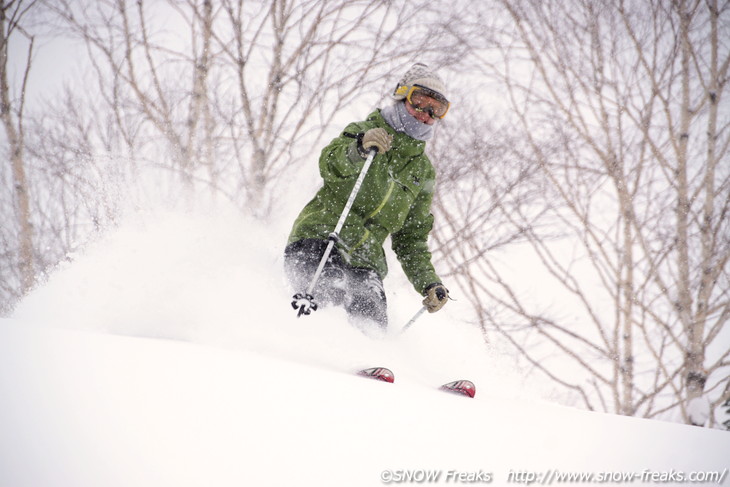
(213,276)
(242,392)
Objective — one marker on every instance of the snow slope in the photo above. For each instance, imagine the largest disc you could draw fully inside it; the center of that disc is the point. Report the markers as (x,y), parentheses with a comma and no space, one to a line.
(166,354)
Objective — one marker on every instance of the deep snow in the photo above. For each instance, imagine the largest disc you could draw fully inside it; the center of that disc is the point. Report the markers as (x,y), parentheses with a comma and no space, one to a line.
(167,354)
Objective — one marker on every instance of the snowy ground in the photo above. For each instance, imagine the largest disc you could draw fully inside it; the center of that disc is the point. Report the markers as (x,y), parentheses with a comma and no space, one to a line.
(167,355)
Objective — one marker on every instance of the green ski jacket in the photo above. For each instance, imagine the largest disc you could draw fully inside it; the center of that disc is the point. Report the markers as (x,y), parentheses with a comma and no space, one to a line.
(394,199)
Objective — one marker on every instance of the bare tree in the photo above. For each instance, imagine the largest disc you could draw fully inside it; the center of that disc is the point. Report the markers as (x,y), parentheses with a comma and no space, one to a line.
(12,107)
(239,91)
(227,96)
(480,184)
(619,109)
(56,179)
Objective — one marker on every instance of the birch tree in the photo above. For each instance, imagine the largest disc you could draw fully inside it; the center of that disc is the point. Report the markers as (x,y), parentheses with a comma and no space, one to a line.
(619,107)
(240,92)
(18,232)
(227,96)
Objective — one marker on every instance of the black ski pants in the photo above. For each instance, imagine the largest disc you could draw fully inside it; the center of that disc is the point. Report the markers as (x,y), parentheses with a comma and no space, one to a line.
(359,290)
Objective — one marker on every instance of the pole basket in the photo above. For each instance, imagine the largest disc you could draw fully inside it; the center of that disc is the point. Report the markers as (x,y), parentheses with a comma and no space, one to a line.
(304,302)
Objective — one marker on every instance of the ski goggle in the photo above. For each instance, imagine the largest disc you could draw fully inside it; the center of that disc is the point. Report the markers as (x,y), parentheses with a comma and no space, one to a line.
(426,100)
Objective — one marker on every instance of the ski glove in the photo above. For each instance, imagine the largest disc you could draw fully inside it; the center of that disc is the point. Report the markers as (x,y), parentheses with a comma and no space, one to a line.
(376,138)
(436,297)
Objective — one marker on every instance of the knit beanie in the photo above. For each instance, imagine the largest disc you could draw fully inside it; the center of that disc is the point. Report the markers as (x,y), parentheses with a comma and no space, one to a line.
(419,74)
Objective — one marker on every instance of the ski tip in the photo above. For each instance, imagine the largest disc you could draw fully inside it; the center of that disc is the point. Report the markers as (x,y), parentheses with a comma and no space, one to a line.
(378,373)
(462,387)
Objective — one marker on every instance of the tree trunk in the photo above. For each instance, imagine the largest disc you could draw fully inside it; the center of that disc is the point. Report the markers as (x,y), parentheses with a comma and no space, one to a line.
(14,134)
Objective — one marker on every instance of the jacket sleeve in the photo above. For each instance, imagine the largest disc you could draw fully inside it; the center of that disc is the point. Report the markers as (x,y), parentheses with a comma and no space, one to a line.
(340,159)
(410,243)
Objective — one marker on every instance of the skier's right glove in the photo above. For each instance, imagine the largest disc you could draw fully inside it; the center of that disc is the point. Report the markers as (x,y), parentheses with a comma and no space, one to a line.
(436,297)
(377,138)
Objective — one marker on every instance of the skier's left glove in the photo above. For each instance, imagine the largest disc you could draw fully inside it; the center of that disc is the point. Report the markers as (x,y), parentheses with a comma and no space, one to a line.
(436,297)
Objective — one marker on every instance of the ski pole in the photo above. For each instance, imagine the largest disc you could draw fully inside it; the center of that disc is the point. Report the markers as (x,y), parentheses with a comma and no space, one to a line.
(305,302)
(413,320)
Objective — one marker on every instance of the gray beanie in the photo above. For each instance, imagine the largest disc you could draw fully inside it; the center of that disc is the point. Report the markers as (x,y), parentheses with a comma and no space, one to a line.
(419,74)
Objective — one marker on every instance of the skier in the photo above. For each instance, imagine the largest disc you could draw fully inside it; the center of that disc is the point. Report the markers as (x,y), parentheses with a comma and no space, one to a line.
(394,200)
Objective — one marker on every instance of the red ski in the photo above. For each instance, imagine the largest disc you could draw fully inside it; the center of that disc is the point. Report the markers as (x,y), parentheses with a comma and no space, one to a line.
(378,373)
(463,387)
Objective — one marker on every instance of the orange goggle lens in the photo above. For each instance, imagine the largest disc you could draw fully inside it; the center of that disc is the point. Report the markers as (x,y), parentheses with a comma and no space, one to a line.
(429,101)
